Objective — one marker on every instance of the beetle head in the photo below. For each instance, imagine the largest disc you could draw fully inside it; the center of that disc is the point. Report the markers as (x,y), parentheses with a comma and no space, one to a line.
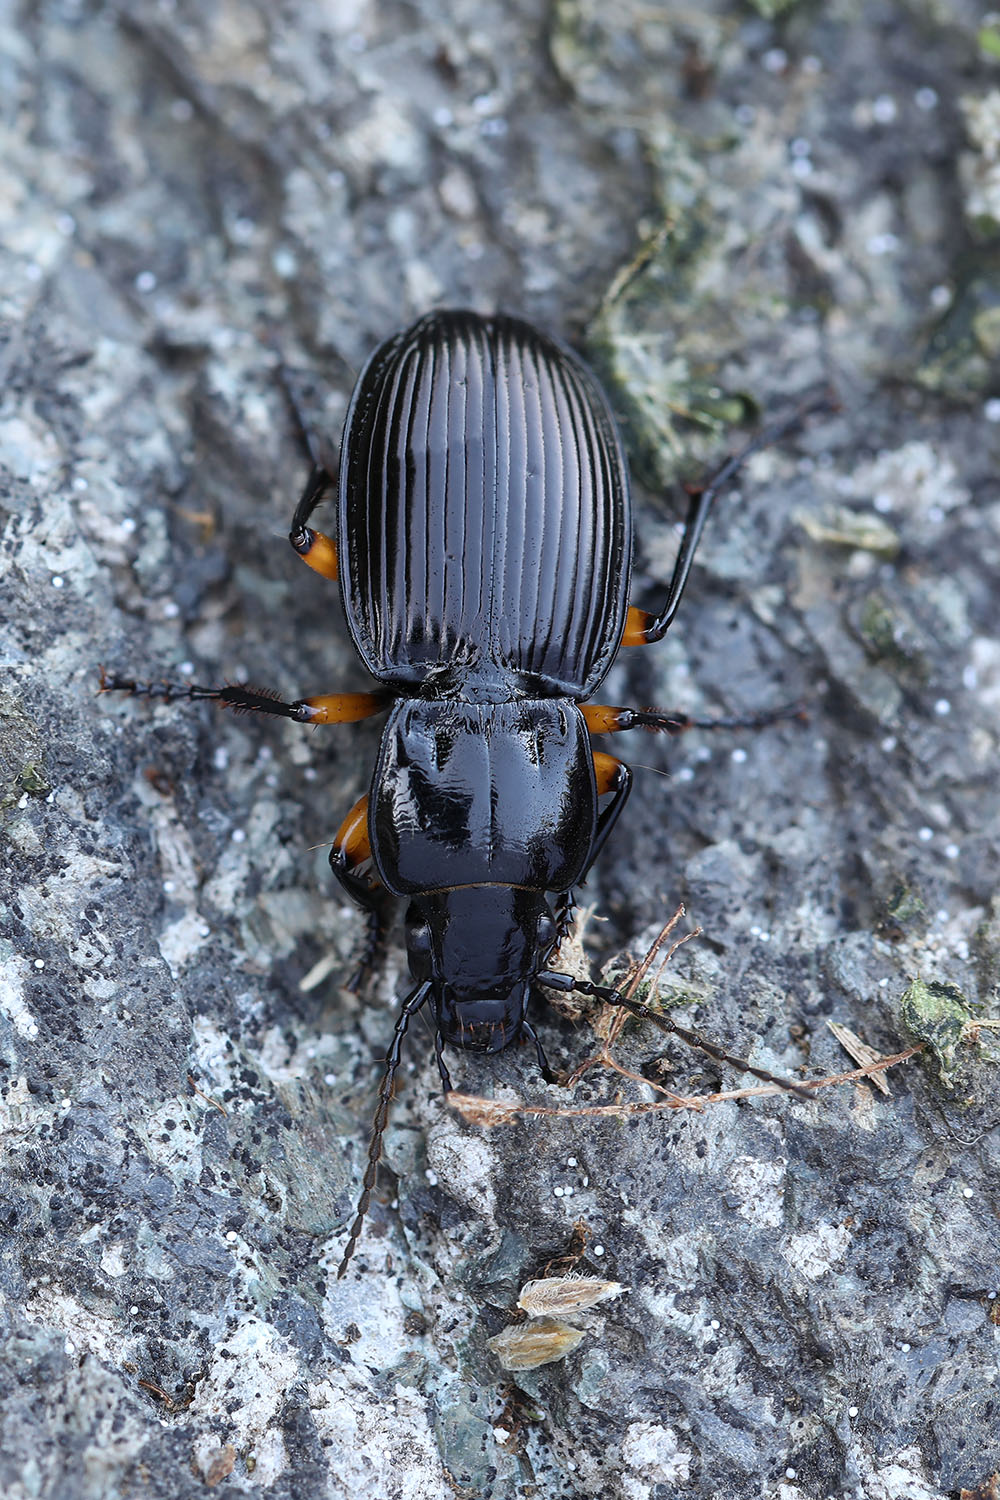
(481,947)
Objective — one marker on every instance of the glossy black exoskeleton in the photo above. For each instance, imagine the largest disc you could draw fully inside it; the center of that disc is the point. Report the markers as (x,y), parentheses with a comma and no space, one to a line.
(484,547)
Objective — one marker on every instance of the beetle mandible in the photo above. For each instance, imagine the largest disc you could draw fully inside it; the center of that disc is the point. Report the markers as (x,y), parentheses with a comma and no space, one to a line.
(484,548)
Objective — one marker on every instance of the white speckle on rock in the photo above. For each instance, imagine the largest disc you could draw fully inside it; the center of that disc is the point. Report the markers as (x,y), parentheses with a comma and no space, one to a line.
(249,1374)
(90,1332)
(654,1452)
(910,480)
(760,1187)
(113,1260)
(12,1001)
(180,941)
(814,1252)
(901,1478)
(464,1165)
(634,1488)
(980,169)
(458,194)
(378,1444)
(285,262)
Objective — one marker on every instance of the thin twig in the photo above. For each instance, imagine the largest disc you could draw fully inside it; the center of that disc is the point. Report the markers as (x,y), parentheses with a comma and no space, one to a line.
(489,1112)
(608,1031)
(207,1097)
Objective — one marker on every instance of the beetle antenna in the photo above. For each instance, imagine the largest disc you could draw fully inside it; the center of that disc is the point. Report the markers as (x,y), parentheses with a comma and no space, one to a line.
(411,1005)
(615,997)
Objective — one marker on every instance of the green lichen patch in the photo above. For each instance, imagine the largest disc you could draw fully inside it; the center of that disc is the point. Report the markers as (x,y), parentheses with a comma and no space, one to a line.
(937,1014)
(903,911)
(960,358)
(660,359)
(21,759)
(892,637)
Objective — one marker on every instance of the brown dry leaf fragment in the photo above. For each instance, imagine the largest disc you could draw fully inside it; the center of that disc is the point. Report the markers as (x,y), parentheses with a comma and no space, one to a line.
(528,1345)
(219,1466)
(486,1112)
(566,1295)
(988,1490)
(861,1052)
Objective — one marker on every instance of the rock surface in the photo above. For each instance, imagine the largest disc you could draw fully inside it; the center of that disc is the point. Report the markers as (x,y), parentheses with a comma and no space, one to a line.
(723,206)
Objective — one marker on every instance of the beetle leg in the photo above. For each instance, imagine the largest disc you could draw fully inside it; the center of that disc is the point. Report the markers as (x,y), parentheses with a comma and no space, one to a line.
(352,847)
(543,1062)
(641,627)
(602,719)
(314,548)
(564,914)
(612,776)
(343,708)
(328,708)
(376,905)
(442,1065)
(322,451)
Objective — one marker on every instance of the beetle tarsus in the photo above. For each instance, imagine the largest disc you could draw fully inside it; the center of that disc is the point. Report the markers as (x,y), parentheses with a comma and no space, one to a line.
(240,697)
(564,915)
(659,721)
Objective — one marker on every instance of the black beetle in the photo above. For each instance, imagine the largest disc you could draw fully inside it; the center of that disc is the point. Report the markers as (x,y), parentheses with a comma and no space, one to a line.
(485,550)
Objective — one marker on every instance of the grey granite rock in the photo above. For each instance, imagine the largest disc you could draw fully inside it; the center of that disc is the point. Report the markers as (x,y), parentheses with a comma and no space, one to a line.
(723,205)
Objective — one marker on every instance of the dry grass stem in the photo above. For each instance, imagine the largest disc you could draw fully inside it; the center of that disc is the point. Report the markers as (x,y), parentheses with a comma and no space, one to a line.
(859,1050)
(610,1022)
(207,1097)
(490,1112)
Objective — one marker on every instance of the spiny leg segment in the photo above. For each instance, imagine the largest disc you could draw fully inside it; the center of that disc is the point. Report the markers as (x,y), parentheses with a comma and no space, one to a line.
(326,708)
